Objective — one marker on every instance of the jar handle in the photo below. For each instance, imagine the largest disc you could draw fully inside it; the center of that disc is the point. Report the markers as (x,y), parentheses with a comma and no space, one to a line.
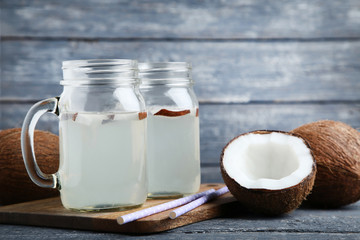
(27,142)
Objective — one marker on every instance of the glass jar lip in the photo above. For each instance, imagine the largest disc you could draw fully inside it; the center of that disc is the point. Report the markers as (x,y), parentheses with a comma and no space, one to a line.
(102,82)
(100,72)
(165,73)
(164,66)
(68,64)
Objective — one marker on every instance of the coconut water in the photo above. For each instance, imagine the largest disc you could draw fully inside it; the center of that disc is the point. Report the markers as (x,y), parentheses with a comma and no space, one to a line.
(173,153)
(102,160)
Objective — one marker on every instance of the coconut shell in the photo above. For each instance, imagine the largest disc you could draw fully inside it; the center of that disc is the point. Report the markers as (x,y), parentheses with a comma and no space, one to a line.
(336,148)
(269,202)
(15,184)
(169,113)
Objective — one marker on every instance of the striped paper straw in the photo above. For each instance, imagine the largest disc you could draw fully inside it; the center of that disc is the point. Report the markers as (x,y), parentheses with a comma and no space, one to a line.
(194,204)
(160,208)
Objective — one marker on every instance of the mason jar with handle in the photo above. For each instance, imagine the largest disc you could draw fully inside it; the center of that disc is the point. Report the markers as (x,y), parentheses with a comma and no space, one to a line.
(102,136)
(173,150)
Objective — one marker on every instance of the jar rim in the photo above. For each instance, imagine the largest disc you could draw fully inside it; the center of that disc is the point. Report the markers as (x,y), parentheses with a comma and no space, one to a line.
(102,82)
(100,72)
(158,66)
(165,73)
(97,62)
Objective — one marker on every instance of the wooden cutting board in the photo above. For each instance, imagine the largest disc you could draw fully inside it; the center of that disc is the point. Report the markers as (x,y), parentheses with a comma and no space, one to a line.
(50,213)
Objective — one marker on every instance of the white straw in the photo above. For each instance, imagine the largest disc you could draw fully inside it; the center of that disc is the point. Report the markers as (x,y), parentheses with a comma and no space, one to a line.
(194,204)
(160,208)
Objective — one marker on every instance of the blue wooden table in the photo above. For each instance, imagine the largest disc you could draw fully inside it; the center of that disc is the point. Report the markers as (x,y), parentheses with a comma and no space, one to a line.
(257,65)
(304,223)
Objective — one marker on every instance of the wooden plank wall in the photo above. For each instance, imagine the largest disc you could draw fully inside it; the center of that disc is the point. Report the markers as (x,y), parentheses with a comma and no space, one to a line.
(257,64)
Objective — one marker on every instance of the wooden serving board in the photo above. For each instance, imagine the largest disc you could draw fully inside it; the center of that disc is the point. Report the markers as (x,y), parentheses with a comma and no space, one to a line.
(50,213)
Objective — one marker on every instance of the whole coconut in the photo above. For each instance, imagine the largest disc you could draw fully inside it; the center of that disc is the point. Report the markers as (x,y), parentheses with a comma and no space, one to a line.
(336,149)
(15,184)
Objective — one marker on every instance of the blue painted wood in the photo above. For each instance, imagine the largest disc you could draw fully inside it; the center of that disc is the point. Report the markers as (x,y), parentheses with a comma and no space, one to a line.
(224,71)
(201,230)
(219,123)
(181,19)
(284,63)
(303,223)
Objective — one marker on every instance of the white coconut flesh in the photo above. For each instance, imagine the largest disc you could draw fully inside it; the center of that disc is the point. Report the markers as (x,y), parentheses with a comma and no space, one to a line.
(271,161)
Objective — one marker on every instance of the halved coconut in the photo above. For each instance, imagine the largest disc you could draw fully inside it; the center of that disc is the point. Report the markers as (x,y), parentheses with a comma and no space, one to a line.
(268,171)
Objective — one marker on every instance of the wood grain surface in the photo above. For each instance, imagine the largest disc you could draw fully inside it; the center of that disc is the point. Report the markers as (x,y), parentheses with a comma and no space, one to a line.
(303,223)
(219,123)
(50,213)
(181,19)
(240,72)
(257,65)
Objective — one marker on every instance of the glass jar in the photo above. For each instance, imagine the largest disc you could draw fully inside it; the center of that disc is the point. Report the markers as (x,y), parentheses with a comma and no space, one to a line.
(102,139)
(173,146)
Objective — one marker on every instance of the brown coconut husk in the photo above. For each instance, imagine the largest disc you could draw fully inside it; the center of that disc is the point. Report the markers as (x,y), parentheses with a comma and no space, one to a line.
(15,184)
(336,148)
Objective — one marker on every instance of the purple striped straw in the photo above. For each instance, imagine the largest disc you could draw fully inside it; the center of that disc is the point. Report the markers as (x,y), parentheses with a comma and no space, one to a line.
(160,208)
(194,204)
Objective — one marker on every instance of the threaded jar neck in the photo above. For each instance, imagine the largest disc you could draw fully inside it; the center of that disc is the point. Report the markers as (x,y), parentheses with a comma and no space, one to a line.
(165,73)
(100,72)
